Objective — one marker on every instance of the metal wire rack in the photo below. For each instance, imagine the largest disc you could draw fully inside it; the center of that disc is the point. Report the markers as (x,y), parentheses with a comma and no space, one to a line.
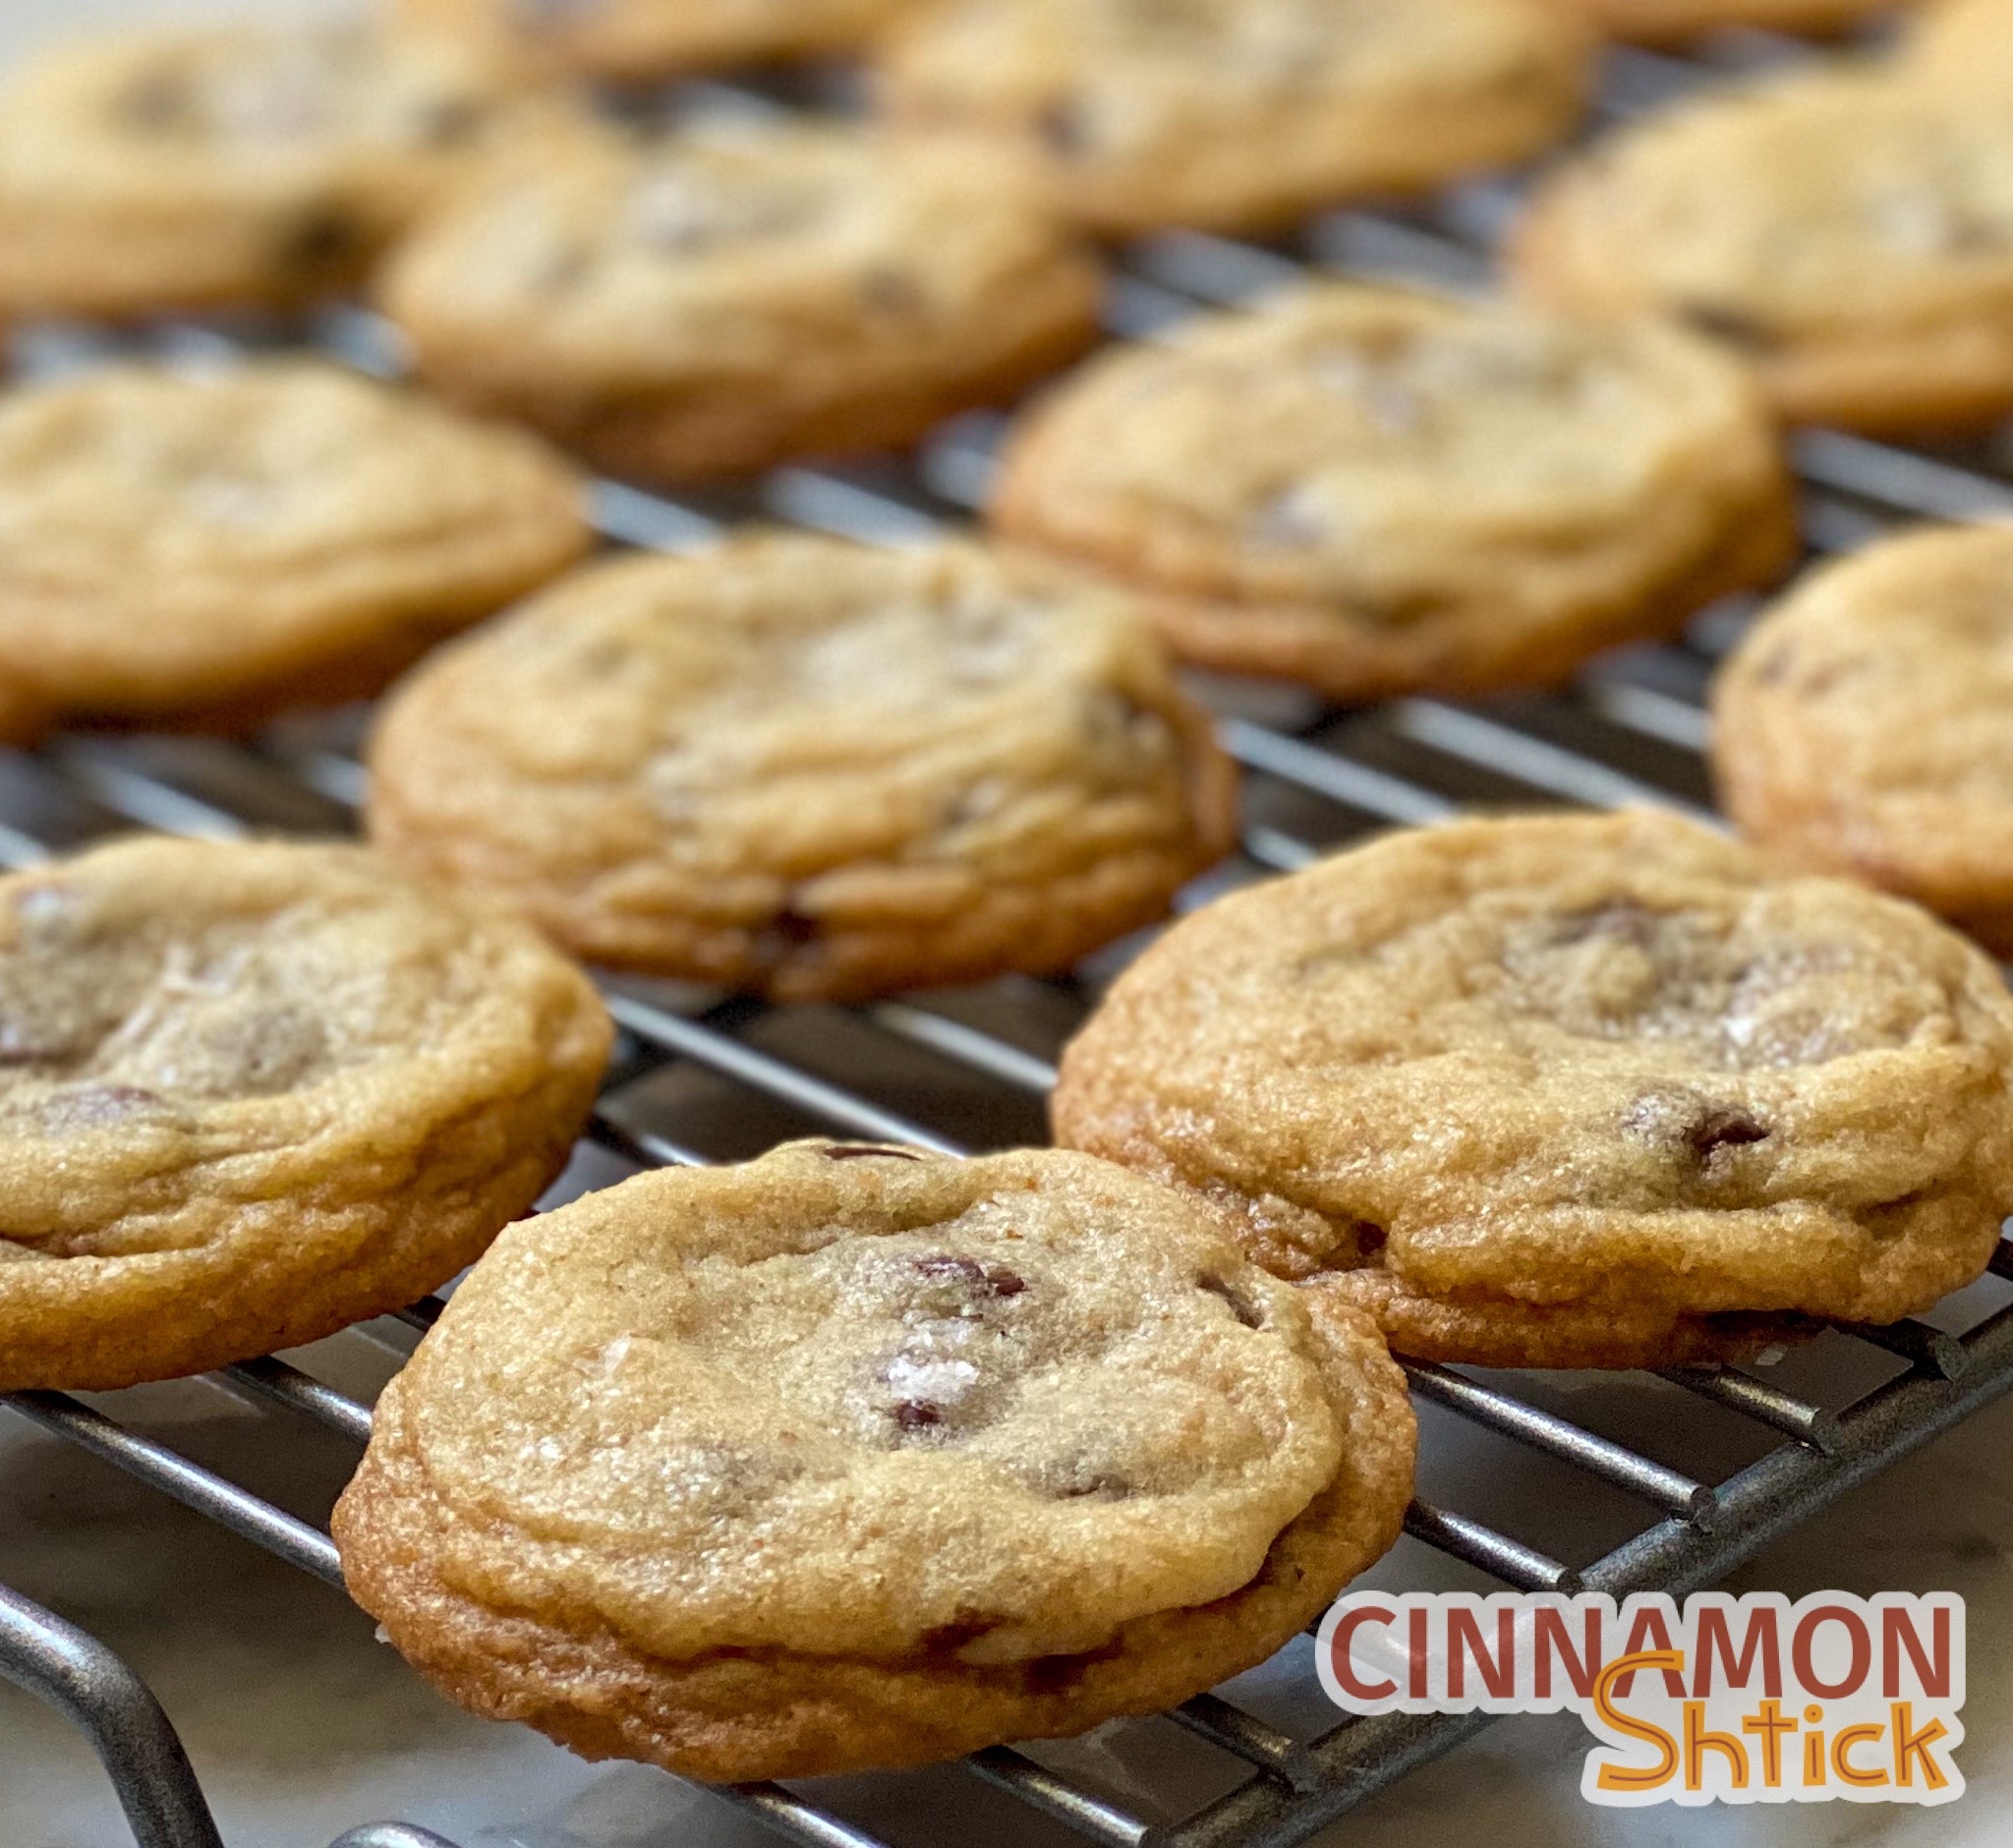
(697,1077)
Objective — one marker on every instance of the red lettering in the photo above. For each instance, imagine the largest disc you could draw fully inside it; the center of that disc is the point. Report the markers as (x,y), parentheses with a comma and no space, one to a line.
(1552,1636)
(1339,1654)
(1715,1632)
(1800,1651)
(1465,1641)
(1931,1668)
(1650,1630)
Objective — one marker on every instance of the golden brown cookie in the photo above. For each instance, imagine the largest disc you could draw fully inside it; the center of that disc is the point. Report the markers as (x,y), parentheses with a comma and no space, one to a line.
(1967,42)
(1849,233)
(1374,491)
(1865,726)
(856,1456)
(809,769)
(250,1094)
(741,294)
(194,168)
(209,547)
(1678,21)
(629,41)
(1240,114)
(1570,1091)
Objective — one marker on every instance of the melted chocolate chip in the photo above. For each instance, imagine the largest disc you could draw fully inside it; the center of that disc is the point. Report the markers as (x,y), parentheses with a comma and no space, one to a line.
(1369,1239)
(981,1280)
(159,101)
(794,926)
(888,291)
(452,121)
(1242,1305)
(1729,324)
(327,238)
(1100,1487)
(1723,1128)
(913,1415)
(865,1151)
(1065,129)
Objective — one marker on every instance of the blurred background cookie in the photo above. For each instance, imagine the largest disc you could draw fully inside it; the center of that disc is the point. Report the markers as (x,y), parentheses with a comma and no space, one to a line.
(1240,114)
(201,168)
(1849,233)
(250,1094)
(1866,725)
(642,40)
(719,300)
(855,1456)
(810,769)
(1585,1090)
(1373,491)
(1677,22)
(209,547)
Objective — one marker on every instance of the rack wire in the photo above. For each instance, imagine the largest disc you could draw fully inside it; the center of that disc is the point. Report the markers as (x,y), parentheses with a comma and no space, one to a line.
(699,1078)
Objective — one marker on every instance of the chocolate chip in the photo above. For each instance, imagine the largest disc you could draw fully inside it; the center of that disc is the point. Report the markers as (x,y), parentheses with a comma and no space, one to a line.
(946,1269)
(866,1151)
(1065,129)
(159,101)
(1369,1239)
(1242,1305)
(888,291)
(981,1280)
(794,926)
(1723,1128)
(100,1107)
(451,122)
(327,238)
(913,1415)
(1729,324)
(1100,1487)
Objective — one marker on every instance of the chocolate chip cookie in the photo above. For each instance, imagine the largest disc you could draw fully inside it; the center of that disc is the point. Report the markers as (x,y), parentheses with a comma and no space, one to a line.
(809,769)
(734,295)
(1375,492)
(1240,114)
(196,168)
(628,41)
(1849,233)
(1866,725)
(1570,1091)
(856,1457)
(209,547)
(1677,22)
(250,1094)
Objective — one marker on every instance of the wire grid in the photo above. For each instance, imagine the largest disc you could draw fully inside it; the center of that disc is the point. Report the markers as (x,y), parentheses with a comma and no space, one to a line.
(1629,732)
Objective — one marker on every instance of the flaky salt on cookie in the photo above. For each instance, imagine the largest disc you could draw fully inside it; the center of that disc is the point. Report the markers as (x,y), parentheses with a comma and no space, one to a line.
(207,548)
(810,769)
(710,301)
(1865,724)
(1847,231)
(252,1093)
(1238,115)
(1379,492)
(183,168)
(1573,1091)
(856,1457)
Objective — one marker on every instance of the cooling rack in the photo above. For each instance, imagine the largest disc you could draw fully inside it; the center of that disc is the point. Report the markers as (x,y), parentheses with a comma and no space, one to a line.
(1691,1474)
